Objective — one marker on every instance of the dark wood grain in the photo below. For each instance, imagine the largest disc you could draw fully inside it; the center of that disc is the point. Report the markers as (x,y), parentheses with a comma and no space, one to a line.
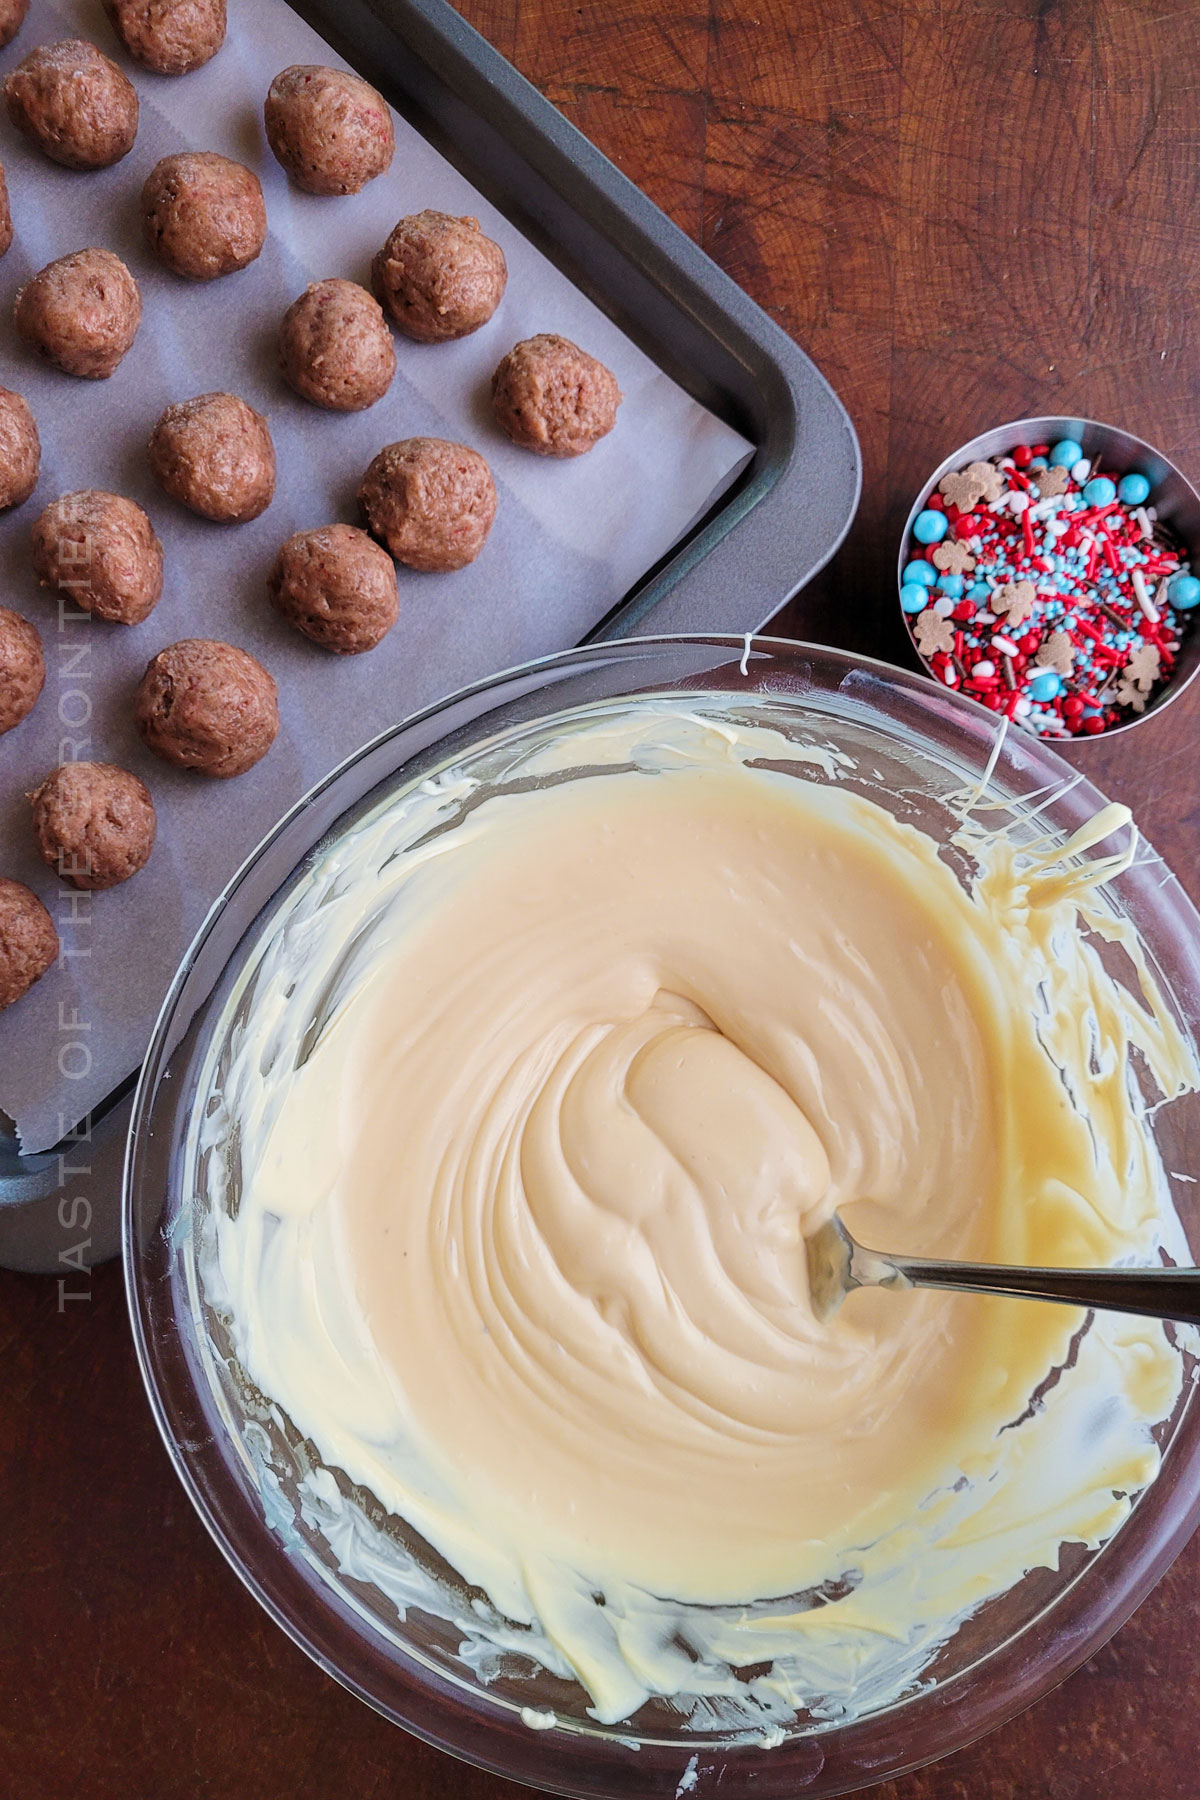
(965,211)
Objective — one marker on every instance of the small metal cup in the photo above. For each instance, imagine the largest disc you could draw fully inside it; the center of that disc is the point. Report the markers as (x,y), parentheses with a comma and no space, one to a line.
(1171,493)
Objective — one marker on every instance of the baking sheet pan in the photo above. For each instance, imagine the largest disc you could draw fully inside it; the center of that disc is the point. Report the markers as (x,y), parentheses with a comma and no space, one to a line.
(570,536)
(788,515)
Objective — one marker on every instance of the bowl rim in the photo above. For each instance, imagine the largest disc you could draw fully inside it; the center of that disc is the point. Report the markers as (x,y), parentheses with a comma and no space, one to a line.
(1037,430)
(835,1759)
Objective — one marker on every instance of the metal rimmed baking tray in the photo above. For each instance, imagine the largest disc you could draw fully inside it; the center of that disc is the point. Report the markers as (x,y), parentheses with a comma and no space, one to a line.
(764,539)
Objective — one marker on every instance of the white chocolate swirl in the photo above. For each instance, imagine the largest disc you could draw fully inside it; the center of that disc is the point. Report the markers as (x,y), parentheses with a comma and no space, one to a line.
(534,1115)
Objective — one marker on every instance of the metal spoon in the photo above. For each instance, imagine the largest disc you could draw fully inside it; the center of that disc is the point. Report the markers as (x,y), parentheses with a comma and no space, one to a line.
(837,1265)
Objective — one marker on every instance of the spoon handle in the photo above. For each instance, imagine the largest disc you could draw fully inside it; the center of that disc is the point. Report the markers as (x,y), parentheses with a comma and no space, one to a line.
(1152,1293)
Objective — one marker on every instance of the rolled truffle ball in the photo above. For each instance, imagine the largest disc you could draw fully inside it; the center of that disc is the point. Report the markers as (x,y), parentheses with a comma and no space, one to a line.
(203,214)
(431,502)
(73,104)
(439,277)
(330,129)
(6,224)
(552,397)
(335,348)
(93,823)
(80,313)
(337,586)
(20,449)
(12,17)
(28,940)
(172,37)
(207,706)
(101,550)
(22,668)
(214,455)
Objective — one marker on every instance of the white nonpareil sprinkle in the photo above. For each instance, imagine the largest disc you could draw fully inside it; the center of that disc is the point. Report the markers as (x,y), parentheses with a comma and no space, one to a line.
(1005,644)
(944,606)
(1143,519)
(984,667)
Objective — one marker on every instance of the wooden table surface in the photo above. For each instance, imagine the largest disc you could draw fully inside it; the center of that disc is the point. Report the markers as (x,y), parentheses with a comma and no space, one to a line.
(965,212)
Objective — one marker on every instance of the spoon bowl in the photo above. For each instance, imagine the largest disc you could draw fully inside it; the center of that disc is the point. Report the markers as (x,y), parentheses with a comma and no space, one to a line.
(838,1263)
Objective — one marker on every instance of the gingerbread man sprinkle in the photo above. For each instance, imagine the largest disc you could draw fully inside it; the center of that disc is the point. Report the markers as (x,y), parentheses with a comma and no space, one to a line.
(979,481)
(1052,482)
(933,633)
(1057,653)
(1142,669)
(1130,694)
(1015,599)
(953,559)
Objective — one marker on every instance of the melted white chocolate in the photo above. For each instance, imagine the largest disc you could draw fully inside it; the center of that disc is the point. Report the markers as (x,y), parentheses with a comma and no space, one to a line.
(534,1114)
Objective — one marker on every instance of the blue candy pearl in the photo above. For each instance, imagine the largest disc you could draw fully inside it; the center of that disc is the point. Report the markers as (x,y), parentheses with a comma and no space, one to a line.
(1039,462)
(1066,454)
(978,590)
(914,597)
(929,527)
(1099,491)
(952,585)
(1183,591)
(1133,488)
(920,571)
(1045,685)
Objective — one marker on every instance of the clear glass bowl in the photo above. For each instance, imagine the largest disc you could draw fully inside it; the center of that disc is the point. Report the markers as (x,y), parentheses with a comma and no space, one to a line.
(914,746)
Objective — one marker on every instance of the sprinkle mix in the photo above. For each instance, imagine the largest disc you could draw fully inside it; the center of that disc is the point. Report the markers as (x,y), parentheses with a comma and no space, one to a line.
(1048,590)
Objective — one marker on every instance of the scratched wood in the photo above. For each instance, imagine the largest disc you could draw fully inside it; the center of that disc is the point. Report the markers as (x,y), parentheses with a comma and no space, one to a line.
(966,211)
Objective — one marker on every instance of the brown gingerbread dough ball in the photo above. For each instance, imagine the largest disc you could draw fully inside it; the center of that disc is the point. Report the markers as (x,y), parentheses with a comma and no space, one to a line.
(330,129)
(20,449)
(431,502)
(337,586)
(101,550)
(73,104)
(12,17)
(22,668)
(552,397)
(207,706)
(93,823)
(203,214)
(28,940)
(439,277)
(6,224)
(172,37)
(335,348)
(214,454)
(80,313)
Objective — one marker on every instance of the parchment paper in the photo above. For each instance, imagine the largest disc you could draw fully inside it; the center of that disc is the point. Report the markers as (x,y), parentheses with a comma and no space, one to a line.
(570,538)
